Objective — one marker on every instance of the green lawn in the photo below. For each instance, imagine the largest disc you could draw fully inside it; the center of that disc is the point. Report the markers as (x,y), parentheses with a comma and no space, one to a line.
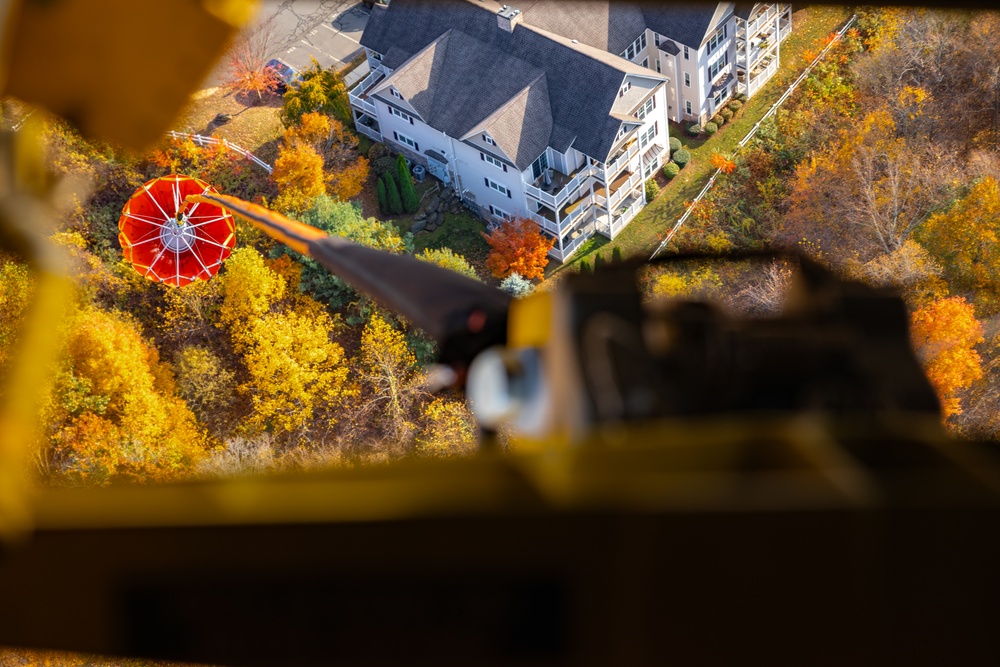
(651,225)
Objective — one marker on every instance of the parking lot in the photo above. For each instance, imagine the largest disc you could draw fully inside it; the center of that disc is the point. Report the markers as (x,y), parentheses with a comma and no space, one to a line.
(326,30)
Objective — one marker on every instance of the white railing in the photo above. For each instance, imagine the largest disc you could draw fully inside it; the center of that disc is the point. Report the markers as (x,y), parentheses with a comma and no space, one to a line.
(785,32)
(555,200)
(619,221)
(546,224)
(755,82)
(369,132)
(570,248)
(357,93)
(612,169)
(212,141)
(753,27)
(618,195)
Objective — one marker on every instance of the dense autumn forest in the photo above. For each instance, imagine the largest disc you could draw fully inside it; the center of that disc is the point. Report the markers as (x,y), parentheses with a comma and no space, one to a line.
(885,165)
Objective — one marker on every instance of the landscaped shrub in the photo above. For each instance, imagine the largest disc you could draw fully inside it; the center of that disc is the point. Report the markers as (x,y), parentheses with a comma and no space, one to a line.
(406,191)
(726,115)
(670,169)
(735,105)
(517,285)
(675,144)
(694,130)
(616,252)
(742,97)
(383,165)
(711,128)
(718,120)
(377,150)
(383,201)
(652,190)
(682,157)
(392,192)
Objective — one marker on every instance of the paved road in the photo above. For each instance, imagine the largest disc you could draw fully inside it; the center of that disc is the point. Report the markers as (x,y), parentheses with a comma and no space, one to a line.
(327,30)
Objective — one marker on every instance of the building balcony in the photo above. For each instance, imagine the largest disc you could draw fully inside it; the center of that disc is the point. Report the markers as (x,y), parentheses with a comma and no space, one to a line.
(750,28)
(369,127)
(358,95)
(561,187)
(622,187)
(620,161)
(759,75)
(572,241)
(568,215)
(625,212)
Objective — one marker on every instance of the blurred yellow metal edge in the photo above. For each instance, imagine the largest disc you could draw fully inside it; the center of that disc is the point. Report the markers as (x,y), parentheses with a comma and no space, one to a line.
(530,320)
(120,70)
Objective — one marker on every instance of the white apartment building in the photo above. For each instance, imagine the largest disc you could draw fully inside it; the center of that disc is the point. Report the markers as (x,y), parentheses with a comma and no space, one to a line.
(521,121)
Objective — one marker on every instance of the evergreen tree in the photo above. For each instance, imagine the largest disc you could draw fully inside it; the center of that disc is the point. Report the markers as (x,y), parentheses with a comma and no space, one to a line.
(392,195)
(409,195)
(383,202)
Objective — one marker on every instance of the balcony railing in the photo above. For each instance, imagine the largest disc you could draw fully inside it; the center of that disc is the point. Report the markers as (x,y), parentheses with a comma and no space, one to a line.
(619,220)
(555,200)
(570,246)
(546,224)
(612,169)
(755,26)
(369,132)
(621,193)
(359,93)
(760,78)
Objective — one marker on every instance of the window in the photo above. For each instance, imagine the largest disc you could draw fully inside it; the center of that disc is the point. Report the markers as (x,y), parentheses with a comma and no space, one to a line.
(490,183)
(492,160)
(625,88)
(658,65)
(403,139)
(652,167)
(645,62)
(500,213)
(635,47)
(716,39)
(717,66)
(647,136)
(488,139)
(656,38)
(539,165)
(376,56)
(687,79)
(621,132)
(721,97)
(646,108)
(687,107)
(396,93)
(405,116)
(687,54)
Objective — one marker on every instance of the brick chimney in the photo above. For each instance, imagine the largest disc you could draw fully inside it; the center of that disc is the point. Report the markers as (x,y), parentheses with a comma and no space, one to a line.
(508,17)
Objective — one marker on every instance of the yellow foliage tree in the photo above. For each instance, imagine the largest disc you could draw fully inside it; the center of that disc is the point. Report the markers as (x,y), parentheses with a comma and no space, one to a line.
(113,411)
(448,429)
(944,334)
(966,239)
(249,289)
(696,283)
(295,370)
(298,173)
(387,369)
(346,170)
(15,294)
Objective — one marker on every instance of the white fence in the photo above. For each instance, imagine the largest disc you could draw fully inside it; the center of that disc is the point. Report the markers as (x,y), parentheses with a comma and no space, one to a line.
(753,131)
(212,141)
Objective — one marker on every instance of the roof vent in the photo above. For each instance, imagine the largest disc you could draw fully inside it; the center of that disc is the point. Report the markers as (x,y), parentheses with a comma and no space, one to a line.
(508,17)
(576,41)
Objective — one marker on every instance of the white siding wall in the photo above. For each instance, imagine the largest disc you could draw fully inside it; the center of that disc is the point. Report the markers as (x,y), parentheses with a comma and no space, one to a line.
(425,136)
(472,170)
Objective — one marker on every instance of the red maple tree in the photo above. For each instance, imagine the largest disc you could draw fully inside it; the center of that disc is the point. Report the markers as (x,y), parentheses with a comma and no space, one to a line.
(518,246)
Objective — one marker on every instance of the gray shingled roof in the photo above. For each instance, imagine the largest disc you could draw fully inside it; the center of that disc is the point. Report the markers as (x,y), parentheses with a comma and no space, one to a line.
(689,24)
(744,9)
(522,127)
(609,26)
(582,80)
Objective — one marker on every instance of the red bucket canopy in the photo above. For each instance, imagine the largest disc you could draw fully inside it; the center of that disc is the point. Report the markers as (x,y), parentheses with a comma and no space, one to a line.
(170,241)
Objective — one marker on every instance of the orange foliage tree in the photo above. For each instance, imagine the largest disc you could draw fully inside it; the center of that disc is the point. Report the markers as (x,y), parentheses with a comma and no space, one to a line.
(246,62)
(723,163)
(518,246)
(944,334)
